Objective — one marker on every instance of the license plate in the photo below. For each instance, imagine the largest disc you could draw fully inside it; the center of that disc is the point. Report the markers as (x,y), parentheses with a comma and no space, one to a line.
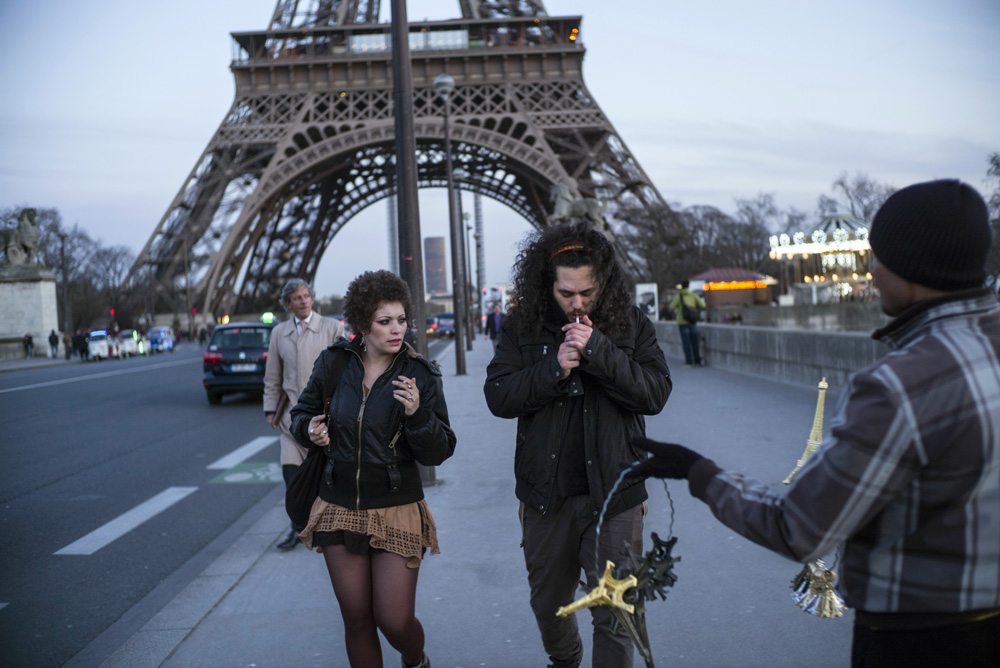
(238,368)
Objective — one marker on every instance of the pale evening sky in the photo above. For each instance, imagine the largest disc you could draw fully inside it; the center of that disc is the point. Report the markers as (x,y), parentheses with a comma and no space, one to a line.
(108,104)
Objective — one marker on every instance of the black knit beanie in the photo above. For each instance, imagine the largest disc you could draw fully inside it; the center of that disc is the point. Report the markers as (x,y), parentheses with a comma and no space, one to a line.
(936,234)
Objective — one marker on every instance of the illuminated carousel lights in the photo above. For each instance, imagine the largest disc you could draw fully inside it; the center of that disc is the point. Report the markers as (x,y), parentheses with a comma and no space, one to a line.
(832,234)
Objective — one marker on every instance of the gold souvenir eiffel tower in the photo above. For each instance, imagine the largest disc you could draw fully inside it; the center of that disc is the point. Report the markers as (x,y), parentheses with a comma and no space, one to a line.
(816,435)
(813,587)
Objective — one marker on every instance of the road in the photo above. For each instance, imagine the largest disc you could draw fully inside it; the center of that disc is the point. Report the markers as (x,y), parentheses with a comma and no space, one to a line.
(117,476)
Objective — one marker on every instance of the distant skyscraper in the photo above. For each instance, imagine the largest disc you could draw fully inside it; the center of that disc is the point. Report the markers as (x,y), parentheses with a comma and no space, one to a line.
(435,267)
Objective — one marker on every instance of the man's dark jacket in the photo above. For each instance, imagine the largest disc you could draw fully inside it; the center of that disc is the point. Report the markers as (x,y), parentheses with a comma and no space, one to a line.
(620,381)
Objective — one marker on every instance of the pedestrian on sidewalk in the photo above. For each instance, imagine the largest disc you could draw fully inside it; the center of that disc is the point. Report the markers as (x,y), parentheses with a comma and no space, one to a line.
(80,344)
(492,324)
(295,345)
(906,486)
(578,366)
(29,345)
(387,414)
(53,344)
(687,327)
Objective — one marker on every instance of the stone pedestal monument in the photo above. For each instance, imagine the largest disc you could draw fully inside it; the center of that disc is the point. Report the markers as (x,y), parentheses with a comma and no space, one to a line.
(27,291)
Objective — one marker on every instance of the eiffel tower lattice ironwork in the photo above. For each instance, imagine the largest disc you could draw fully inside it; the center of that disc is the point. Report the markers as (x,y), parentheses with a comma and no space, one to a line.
(308,142)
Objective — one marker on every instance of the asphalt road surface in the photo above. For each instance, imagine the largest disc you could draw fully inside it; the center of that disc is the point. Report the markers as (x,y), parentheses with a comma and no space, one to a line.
(117,478)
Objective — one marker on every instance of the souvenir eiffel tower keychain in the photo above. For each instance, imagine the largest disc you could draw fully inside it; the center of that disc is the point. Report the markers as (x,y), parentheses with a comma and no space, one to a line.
(813,587)
(625,587)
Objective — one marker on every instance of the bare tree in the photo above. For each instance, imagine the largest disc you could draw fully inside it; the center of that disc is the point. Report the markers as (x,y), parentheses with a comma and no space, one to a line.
(111,265)
(859,195)
(675,244)
(993,202)
(660,240)
(756,220)
(993,179)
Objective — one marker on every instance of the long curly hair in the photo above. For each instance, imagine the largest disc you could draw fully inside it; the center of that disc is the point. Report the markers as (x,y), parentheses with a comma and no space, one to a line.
(369,291)
(573,245)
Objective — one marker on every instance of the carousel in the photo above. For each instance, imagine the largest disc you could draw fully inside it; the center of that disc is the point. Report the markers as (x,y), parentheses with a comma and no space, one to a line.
(829,263)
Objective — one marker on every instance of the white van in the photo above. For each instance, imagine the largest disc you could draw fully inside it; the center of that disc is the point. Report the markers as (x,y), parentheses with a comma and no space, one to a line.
(134,342)
(161,339)
(101,345)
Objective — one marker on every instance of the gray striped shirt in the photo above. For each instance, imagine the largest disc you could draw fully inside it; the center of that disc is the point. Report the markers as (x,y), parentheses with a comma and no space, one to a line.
(908,480)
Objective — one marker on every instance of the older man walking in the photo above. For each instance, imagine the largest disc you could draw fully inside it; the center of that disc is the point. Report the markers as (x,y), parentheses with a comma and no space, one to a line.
(295,345)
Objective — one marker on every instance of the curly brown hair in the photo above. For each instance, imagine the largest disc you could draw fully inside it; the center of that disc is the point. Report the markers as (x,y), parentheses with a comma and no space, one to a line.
(369,291)
(574,244)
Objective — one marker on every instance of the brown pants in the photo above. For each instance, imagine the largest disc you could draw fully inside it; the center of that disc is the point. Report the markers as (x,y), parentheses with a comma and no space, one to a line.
(556,546)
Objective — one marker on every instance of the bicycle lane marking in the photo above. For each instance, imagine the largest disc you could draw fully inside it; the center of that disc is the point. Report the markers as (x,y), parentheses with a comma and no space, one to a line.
(237,470)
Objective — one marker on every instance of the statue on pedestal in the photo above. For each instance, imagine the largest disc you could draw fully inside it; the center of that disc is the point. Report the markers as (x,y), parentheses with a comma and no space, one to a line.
(20,244)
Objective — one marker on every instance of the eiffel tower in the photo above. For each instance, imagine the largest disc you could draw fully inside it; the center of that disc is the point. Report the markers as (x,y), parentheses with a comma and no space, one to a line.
(309,140)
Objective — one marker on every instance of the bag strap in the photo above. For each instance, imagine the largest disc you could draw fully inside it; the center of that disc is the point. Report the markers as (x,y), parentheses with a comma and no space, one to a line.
(334,371)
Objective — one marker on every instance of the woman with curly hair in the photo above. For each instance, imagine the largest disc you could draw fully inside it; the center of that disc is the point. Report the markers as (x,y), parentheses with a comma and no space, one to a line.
(385,415)
(578,366)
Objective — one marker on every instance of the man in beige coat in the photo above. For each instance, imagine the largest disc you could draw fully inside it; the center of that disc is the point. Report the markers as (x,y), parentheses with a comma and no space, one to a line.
(295,345)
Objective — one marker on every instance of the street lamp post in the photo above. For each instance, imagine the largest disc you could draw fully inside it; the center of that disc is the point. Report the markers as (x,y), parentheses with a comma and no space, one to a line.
(65,284)
(411,259)
(471,292)
(460,174)
(477,203)
(444,85)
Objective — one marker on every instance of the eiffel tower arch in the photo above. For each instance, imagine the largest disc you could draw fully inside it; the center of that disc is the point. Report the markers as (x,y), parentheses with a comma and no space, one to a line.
(309,140)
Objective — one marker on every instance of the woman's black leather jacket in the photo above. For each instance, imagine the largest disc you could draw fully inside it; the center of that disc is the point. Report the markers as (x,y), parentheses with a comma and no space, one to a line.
(374,447)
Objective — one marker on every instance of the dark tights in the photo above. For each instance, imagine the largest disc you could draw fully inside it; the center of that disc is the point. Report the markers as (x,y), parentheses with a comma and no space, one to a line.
(376,592)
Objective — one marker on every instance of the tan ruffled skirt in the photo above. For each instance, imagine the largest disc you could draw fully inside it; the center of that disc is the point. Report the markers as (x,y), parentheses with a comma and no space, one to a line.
(406,530)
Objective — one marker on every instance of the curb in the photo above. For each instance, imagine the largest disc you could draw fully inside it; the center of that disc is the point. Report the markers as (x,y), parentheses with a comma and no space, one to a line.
(168,625)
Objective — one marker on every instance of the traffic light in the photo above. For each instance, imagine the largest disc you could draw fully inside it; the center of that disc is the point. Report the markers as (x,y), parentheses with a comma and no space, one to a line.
(194,311)
(112,313)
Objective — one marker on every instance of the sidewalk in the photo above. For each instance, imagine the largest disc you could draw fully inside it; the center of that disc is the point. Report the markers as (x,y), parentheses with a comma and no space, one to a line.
(257,606)
(36,362)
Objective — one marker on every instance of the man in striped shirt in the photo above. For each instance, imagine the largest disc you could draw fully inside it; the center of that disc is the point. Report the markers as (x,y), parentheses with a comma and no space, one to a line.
(908,481)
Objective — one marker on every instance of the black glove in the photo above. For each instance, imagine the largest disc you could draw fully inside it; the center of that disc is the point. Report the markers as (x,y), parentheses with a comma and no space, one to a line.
(669,460)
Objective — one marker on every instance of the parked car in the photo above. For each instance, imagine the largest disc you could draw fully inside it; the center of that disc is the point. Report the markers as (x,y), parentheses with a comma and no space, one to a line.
(235,359)
(446,324)
(161,339)
(134,342)
(102,344)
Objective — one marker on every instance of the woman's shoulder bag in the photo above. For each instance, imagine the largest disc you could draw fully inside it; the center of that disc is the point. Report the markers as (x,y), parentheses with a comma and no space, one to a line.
(303,488)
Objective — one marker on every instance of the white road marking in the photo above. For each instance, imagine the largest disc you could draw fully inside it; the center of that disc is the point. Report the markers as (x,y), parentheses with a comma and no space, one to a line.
(122,524)
(3,605)
(104,374)
(242,453)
